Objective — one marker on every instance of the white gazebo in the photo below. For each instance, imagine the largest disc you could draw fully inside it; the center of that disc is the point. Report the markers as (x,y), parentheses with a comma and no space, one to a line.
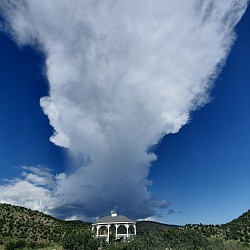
(115,227)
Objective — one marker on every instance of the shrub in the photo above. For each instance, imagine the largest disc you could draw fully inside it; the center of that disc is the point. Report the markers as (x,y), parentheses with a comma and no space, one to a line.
(12,245)
(80,240)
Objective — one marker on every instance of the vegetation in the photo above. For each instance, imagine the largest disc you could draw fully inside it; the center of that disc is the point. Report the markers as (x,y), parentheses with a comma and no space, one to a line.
(151,226)
(237,230)
(22,228)
(80,240)
(19,224)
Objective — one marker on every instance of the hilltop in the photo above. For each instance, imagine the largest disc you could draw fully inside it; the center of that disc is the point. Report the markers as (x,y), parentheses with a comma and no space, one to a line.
(152,226)
(237,230)
(22,223)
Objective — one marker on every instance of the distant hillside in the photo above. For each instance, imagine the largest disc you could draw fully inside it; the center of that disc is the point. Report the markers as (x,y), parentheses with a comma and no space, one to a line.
(21,223)
(151,226)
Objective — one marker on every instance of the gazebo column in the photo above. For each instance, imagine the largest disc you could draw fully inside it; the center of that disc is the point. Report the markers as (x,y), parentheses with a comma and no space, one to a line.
(134,229)
(108,226)
(97,230)
(116,229)
(127,226)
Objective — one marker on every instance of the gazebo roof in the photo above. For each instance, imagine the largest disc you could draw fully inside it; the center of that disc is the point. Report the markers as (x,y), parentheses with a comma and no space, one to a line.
(111,219)
(114,218)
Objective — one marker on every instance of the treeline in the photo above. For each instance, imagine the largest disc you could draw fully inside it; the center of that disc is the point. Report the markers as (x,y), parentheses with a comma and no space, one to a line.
(151,226)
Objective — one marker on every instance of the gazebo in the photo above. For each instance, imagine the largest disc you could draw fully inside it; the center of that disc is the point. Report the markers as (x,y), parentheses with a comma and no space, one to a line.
(116,227)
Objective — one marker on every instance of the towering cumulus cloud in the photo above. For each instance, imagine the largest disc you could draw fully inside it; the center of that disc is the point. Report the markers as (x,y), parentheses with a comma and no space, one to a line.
(122,75)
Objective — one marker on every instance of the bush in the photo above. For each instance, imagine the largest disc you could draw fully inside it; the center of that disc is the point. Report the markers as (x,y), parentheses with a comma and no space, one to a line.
(185,239)
(12,245)
(80,240)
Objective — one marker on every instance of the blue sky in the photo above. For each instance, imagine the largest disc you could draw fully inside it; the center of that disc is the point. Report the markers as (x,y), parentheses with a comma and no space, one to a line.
(24,128)
(204,169)
(201,174)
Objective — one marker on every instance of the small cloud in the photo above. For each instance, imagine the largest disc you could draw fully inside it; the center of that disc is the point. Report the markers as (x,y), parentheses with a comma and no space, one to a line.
(159,215)
(171,211)
(163,204)
(150,218)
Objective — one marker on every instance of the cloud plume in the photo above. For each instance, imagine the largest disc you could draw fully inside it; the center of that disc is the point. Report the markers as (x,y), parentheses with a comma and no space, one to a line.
(122,75)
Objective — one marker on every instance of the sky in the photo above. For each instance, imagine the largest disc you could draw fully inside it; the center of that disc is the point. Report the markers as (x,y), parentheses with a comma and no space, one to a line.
(139,106)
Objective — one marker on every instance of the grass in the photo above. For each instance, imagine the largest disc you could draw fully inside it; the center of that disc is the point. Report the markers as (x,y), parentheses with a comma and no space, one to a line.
(51,248)
(55,247)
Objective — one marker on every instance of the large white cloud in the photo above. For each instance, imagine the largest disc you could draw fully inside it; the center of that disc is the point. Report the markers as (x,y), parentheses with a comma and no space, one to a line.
(122,75)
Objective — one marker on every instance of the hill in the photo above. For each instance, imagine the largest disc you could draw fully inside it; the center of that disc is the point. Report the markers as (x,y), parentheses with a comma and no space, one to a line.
(21,223)
(237,230)
(151,226)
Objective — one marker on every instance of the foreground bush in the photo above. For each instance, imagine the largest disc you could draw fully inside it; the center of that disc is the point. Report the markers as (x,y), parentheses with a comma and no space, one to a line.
(21,244)
(80,241)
